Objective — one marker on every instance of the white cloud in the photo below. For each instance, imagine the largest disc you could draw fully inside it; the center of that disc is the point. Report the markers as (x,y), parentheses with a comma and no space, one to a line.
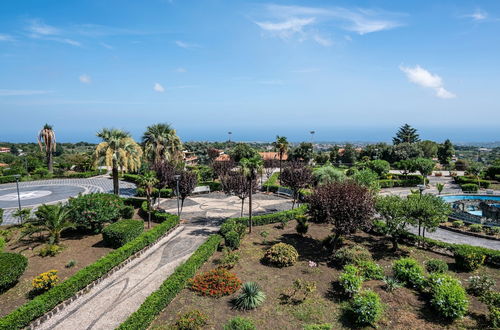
(22,92)
(286,29)
(322,40)
(39,28)
(105,45)
(478,15)
(6,37)
(68,41)
(424,78)
(180,70)
(186,45)
(85,79)
(158,88)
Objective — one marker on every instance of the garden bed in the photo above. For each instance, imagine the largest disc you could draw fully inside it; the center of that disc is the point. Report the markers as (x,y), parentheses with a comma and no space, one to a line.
(404,308)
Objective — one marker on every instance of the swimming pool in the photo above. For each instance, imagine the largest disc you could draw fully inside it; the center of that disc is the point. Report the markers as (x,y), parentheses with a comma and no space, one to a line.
(454,198)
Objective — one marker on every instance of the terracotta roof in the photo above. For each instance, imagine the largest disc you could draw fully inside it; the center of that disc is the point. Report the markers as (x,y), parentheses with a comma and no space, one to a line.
(272,155)
(3,165)
(222,158)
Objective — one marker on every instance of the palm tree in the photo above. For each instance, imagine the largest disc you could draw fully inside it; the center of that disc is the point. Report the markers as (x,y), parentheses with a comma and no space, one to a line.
(281,144)
(147,182)
(52,219)
(250,168)
(161,143)
(48,137)
(118,151)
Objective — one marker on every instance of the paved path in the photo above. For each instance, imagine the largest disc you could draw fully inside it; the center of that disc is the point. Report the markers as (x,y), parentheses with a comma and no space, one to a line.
(35,193)
(449,236)
(110,303)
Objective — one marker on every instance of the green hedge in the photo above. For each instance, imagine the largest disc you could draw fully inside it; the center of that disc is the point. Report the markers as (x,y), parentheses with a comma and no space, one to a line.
(214,185)
(1,215)
(158,300)
(165,192)
(469,187)
(132,201)
(121,232)
(12,266)
(155,215)
(45,302)
(131,177)
(7,179)
(472,180)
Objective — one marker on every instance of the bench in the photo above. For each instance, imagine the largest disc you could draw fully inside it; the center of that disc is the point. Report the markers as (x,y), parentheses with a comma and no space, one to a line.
(201,190)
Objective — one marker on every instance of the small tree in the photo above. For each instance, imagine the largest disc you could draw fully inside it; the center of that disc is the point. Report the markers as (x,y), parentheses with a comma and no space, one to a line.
(281,144)
(250,167)
(475,168)
(235,183)
(346,205)
(445,152)
(222,168)
(148,182)
(379,166)
(424,166)
(427,211)
(406,134)
(439,187)
(52,219)
(392,210)
(242,150)
(187,182)
(296,176)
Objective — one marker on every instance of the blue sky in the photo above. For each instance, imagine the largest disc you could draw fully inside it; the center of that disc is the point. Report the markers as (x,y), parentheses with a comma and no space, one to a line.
(351,70)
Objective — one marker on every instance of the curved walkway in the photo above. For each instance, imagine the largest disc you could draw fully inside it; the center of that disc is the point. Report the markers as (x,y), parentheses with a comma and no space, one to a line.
(110,302)
(449,236)
(35,193)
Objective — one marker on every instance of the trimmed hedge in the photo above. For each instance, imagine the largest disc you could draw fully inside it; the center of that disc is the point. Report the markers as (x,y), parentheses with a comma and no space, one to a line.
(22,316)
(12,266)
(158,300)
(472,180)
(134,178)
(156,216)
(469,187)
(7,179)
(214,185)
(164,193)
(119,233)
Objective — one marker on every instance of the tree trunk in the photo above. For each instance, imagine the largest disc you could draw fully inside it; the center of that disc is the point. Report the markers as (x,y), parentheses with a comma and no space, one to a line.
(250,209)
(242,204)
(281,157)
(49,161)
(394,241)
(182,205)
(116,187)
(335,241)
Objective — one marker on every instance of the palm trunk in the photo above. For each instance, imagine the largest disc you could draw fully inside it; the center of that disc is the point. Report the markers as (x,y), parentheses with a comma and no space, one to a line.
(242,204)
(149,211)
(49,161)
(116,187)
(394,241)
(281,158)
(250,209)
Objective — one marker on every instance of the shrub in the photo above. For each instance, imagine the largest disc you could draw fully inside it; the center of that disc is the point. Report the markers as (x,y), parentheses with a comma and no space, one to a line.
(232,225)
(281,255)
(12,266)
(493,230)
(479,285)
(239,323)
(436,266)
(351,255)
(302,225)
(229,259)
(391,284)
(45,281)
(192,320)
(1,216)
(2,243)
(324,326)
(50,250)
(127,212)
(492,300)
(121,232)
(232,240)
(476,228)
(370,270)
(366,308)
(70,264)
(409,272)
(215,283)
(251,297)
(94,210)
(350,281)
(467,257)
(379,227)
(448,296)
(469,187)
(457,223)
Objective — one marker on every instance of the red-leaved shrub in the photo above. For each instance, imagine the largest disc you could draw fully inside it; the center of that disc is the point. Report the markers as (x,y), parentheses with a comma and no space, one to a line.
(215,283)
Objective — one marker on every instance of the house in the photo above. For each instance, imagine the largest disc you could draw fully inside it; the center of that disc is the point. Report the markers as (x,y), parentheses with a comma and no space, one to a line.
(190,158)
(269,155)
(4,149)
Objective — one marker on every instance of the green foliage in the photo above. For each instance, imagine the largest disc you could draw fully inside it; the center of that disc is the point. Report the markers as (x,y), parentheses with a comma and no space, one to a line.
(232,240)
(366,178)
(94,210)
(127,212)
(324,326)
(281,255)
(351,255)
(457,223)
(445,152)
(492,300)
(480,284)
(232,225)
(436,266)
(468,258)
(448,296)
(119,233)
(469,187)
(370,270)
(406,134)
(229,258)
(193,320)
(327,174)
(391,284)
(379,227)
(379,166)
(409,272)
(241,151)
(1,216)
(426,210)
(45,302)
(302,225)
(350,281)
(494,230)
(239,323)
(476,228)
(50,250)
(70,264)
(366,308)
(12,266)
(251,297)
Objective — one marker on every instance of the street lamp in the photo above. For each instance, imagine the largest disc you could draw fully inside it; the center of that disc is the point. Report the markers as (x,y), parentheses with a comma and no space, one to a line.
(177,178)
(312,136)
(17,176)
(229,134)
(421,188)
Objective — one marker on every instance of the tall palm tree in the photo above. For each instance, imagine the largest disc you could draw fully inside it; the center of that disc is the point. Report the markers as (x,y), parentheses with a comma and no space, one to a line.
(161,143)
(147,182)
(47,137)
(281,144)
(118,151)
(52,219)
(250,167)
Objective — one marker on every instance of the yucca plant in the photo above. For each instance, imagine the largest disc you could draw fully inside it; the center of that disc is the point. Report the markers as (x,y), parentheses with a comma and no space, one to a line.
(251,297)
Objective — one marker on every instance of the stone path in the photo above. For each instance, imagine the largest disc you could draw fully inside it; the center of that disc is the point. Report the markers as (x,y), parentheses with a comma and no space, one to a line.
(449,236)
(35,193)
(110,303)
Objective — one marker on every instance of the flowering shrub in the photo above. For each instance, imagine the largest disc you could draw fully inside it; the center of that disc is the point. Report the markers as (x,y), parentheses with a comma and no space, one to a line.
(94,210)
(45,281)
(350,280)
(351,255)
(479,285)
(215,283)
(467,257)
(366,308)
(408,271)
(193,320)
(281,255)
(49,250)
(448,296)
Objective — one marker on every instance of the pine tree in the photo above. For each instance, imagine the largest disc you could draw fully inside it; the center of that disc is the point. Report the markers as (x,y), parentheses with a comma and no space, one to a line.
(407,134)
(445,152)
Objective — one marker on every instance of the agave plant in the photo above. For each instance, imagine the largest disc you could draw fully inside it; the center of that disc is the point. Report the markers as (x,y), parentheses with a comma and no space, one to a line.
(251,297)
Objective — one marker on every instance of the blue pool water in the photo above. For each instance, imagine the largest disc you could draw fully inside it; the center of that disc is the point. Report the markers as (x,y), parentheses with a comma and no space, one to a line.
(454,198)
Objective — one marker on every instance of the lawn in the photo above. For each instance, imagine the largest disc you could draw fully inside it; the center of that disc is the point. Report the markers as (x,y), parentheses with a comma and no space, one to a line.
(404,308)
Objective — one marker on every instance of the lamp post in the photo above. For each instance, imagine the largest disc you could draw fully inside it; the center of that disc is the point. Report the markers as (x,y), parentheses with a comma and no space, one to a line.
(17,176)
(312,136)
(177,178)
(229,135)
(421,188)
